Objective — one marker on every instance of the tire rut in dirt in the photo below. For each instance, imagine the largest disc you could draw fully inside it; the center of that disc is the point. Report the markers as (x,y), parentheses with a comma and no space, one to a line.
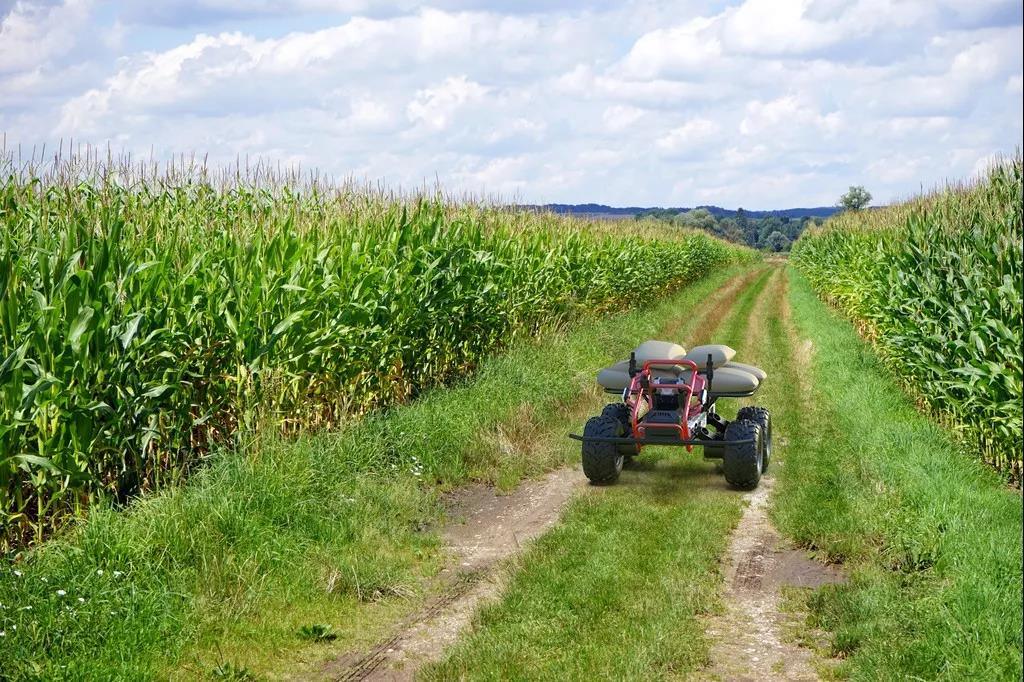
(750,636)
(370,662)
(485,529)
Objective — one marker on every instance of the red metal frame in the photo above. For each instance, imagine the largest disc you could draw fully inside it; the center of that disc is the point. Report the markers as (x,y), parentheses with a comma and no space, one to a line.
(636,392)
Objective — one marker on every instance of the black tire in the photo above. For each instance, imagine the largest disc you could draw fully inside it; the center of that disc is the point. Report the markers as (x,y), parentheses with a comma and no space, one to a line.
(620,413)
(742,463)
(602,462)
(761,416)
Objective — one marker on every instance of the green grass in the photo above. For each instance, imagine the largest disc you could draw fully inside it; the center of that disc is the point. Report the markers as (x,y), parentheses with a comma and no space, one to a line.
(279,536)
(930,537)
(734,329)
(619,589)
(239,570)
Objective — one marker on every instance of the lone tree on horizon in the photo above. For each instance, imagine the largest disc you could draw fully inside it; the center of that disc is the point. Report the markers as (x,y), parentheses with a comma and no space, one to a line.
(855,198)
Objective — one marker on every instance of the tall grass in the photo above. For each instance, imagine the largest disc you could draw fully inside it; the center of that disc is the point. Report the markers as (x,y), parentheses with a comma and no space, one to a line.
(937,284)
(147,313)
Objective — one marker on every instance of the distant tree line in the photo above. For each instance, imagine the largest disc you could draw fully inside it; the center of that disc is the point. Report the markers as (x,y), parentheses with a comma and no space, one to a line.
(771,233)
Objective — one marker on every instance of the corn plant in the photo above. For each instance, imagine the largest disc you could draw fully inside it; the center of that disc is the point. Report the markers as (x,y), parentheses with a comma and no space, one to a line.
(147,314)
(937,283)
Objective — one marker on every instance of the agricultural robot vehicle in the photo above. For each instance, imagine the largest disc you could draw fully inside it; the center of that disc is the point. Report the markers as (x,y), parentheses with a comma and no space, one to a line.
(668,397)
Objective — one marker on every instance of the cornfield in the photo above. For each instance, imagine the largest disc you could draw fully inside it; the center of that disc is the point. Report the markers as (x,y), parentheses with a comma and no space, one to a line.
(150,313)
(937,284)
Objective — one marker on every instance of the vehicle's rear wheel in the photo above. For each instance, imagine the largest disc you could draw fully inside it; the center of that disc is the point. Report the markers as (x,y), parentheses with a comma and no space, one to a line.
(761,416)
(742,463)
(620,413)
(602,462)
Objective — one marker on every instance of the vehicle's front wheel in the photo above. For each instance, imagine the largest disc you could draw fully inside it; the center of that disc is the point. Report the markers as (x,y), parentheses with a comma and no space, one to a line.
(602,462)
(741,464)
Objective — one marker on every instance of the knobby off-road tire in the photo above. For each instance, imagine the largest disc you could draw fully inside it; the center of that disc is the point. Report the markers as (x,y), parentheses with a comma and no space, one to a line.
(602,462)
(760,416)
(620,413)
(742,463)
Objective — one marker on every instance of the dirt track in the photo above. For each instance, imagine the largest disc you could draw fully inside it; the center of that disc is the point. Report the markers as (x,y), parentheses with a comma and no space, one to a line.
(750,641)
(484,529)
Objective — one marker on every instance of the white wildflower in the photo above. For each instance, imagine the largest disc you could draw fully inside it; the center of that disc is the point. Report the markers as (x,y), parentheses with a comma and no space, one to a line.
(17,574)
(61,593)
(99,571)
(118,574)
(81,600)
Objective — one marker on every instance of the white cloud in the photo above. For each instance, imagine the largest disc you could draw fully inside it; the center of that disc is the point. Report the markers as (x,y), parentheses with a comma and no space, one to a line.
(519,127)
(619,117)
(682,51)
(953,79)
(32,34)
(692,135)
(435,107)
(902,127)
(369,115)
(777,27)
(788,115)
(896,168)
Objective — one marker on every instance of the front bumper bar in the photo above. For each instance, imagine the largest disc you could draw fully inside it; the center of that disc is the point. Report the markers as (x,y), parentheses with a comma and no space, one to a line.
(659,441)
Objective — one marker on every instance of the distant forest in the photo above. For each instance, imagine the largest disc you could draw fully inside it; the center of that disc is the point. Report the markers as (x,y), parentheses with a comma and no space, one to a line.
(768,230)
(770,233)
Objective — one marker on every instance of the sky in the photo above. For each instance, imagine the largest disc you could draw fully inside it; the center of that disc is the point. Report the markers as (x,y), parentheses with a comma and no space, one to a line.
(757,103)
